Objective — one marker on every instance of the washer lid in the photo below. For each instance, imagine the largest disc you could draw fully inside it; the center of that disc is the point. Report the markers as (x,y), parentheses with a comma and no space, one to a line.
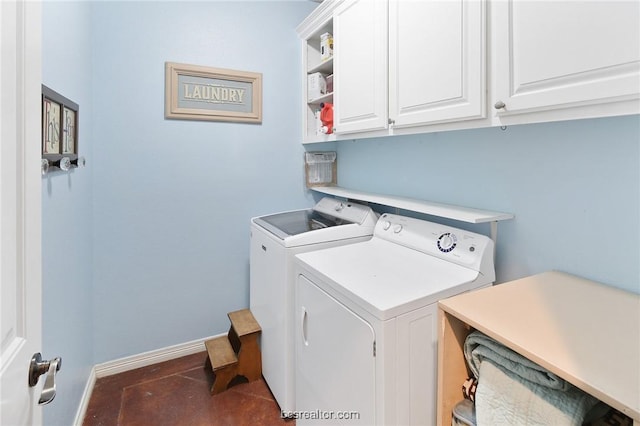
(387,279)
(294,222)
(329,220)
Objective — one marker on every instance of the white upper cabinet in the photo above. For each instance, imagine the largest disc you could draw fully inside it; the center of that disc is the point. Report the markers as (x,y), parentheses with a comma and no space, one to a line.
(437,52)
(565,59)
(438,65)
(360,66)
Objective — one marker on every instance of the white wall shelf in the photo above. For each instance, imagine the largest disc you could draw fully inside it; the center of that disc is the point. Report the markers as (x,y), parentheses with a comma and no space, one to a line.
(448,211)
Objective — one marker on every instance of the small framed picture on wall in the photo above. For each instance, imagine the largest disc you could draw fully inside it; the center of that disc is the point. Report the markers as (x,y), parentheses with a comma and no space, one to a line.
(69,130)
(59,127)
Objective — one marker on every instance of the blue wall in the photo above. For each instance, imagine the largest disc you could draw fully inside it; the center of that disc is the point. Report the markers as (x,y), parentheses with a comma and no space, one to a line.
(67,226)
(573,186)
(173,199)
(148,246)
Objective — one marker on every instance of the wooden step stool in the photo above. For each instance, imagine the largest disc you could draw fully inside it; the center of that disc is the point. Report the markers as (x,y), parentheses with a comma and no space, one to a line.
(237,353)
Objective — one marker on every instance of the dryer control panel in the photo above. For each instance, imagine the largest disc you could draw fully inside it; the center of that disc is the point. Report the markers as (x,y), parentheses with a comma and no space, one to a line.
(455,245)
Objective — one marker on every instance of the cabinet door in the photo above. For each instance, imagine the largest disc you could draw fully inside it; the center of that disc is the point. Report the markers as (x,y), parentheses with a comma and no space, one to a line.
(360,66)
(436,61)
(556,54)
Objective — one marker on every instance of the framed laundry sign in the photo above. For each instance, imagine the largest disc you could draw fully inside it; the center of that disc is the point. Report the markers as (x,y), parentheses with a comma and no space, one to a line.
(194,92)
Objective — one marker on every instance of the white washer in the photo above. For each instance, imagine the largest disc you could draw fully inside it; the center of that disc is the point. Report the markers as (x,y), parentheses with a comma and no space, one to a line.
(275,240)
(366,333)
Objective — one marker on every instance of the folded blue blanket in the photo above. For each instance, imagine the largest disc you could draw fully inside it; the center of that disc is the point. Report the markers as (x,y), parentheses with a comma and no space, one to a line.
(504,399)
(512,390)
(479,346)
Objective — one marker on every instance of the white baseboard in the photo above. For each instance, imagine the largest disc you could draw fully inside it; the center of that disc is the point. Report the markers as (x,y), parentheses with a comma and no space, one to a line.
(152,357)
(136,361)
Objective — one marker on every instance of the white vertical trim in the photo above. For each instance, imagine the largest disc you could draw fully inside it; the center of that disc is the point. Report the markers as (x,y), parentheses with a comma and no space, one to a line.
(86,397)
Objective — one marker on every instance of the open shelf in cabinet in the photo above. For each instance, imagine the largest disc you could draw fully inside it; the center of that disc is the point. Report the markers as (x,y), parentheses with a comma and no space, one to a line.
(310,31)
(324,98)
(325,67)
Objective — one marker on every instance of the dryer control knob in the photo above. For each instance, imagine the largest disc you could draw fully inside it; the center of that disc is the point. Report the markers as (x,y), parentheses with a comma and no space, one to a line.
(397,229)
(447,242)
(386,225)
(339,207)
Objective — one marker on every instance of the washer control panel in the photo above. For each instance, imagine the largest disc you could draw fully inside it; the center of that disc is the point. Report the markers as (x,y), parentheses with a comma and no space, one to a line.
(344,210)
(453,244)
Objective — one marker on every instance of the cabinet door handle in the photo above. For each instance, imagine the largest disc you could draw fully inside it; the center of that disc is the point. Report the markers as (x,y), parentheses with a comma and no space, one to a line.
(499,105)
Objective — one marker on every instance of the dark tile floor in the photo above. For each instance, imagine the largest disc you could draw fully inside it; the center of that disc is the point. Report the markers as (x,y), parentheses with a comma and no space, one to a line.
(176,393)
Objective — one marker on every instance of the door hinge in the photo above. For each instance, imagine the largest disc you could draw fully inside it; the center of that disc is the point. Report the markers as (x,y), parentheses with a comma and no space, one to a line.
(374,348)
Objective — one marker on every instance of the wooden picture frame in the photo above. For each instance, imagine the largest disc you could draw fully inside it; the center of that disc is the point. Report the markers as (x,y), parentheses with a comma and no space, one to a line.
(59,126)
(194,92)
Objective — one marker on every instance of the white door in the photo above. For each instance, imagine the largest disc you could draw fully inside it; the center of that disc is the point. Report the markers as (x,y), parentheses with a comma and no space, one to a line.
(437,53)
(20,192)
(557,54)
(360,66)
(335,361)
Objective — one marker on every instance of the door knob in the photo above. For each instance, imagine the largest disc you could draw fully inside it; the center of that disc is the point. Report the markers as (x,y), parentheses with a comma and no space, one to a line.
(37,368)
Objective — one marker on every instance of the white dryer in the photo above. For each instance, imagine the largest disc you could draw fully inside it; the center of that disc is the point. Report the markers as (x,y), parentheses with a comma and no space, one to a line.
(275,240)
(366,323)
